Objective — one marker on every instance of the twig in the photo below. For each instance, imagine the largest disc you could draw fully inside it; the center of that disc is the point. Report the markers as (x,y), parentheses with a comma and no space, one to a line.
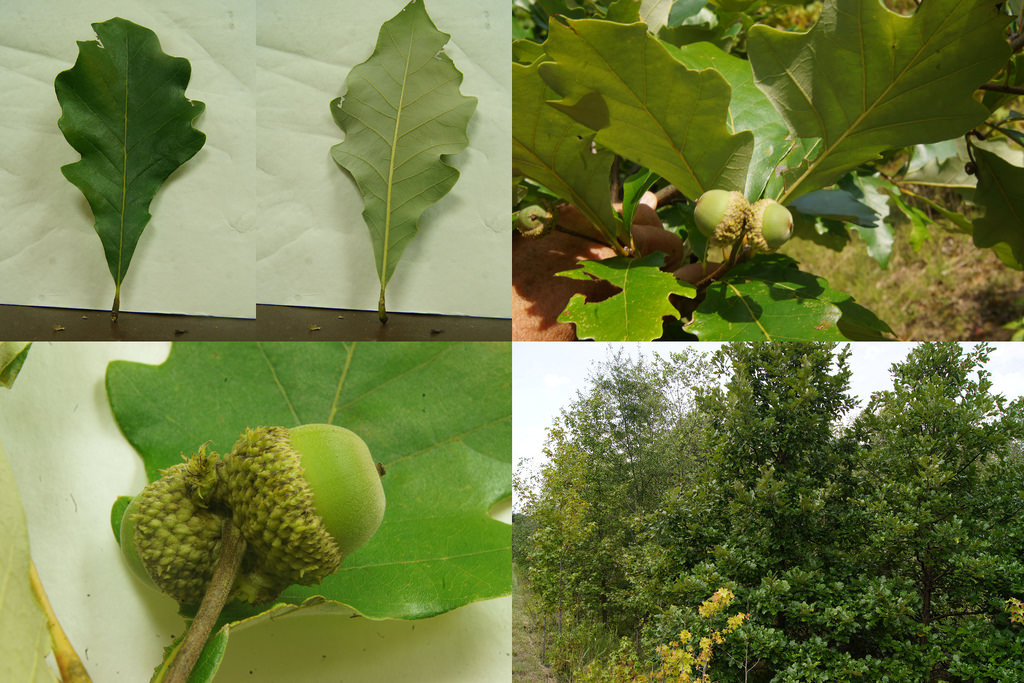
(232,547)
(668,194)
(71,668)
(728,264)
(999,87)
(616,180)
(1017,42)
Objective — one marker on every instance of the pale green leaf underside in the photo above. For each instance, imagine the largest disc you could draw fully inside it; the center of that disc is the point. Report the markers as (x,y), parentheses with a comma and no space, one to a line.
(645,105)
(635,313)
(552,149)
(24,640)
(402,110)
(865,79)
(655,13)
(123,108)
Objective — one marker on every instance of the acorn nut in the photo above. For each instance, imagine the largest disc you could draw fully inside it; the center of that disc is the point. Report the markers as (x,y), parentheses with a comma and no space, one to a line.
(303,499)
(536,220)
(772,225)
(722,215)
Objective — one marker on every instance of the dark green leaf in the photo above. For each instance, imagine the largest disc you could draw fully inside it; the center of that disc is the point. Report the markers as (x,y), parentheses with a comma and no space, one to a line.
(567,8)
(123,108)
(402,113)
(865,79)
(826,233)
(1001,192)
(636,313)
(526,51)
(621,82)
(753,310)
(633,190)
(623,11)
(437,415)
(770,298)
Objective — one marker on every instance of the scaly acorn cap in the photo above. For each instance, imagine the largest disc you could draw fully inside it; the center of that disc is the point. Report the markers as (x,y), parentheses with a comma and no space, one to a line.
(722,215)
(171,532)
(272,504)
(175,533)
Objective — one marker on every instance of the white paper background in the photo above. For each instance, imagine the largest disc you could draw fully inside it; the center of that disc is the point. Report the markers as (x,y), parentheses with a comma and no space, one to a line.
(71,462)
(261,214)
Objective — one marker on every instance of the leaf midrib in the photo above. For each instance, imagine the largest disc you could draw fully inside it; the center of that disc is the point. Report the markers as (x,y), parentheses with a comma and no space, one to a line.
(124,170)
(641,104)
(868,108)
(391,164)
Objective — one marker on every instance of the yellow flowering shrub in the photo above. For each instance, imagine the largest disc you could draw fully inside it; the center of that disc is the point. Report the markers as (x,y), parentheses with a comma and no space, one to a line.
(683,660)
(1016,608)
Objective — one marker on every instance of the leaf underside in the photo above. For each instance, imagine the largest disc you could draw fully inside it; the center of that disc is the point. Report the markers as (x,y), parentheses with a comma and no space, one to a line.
(437,415)
(24,638)
(401,112)
(123,108)
(865,79)
(552,149)
(644,104)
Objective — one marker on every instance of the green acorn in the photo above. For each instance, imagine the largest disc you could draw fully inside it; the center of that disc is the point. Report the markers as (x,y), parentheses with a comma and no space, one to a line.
(536,220)
(303,499)
(772,225)
(722,215)
(168,532)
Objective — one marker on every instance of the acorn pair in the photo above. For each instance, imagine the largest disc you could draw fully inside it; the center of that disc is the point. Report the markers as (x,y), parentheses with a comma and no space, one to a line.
(303,499)
(725,216)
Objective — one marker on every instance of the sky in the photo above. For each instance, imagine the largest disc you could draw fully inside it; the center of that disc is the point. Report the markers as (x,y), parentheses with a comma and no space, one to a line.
(547,377)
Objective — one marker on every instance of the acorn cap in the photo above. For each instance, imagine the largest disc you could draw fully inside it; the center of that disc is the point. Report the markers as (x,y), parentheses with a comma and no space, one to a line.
(272,504)
(174,533)
(171,532)
(722,215)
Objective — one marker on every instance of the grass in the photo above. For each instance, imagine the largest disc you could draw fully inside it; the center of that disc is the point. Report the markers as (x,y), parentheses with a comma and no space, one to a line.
(949,290)
(526,637)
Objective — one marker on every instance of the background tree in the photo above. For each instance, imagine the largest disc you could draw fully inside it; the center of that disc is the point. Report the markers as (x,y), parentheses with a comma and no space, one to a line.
(942,482)
(883,545)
